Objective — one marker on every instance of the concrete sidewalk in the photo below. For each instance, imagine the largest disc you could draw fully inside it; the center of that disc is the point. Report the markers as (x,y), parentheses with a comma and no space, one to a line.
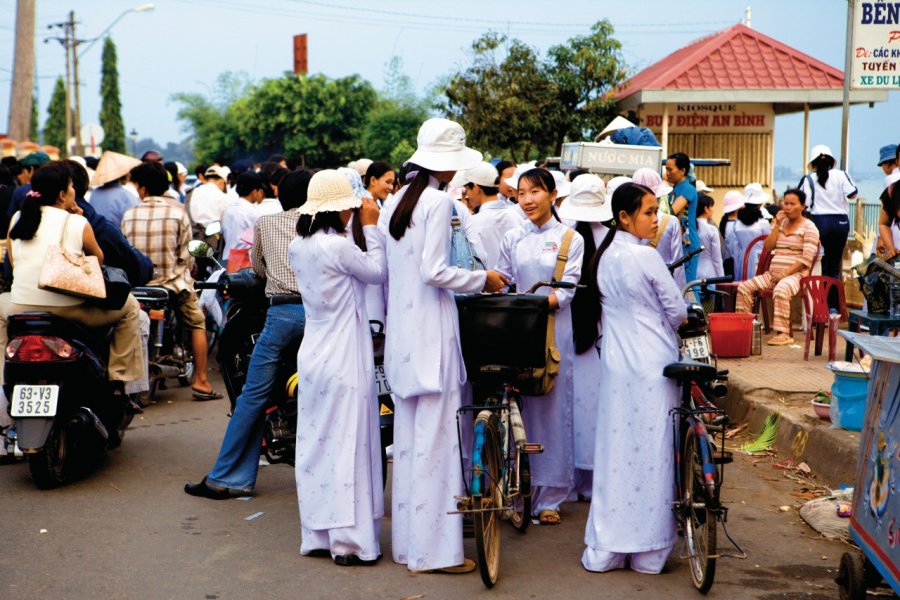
(779,380)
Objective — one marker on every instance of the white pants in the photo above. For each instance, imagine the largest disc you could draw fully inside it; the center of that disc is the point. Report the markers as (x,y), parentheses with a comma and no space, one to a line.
(650,562)
(426,478)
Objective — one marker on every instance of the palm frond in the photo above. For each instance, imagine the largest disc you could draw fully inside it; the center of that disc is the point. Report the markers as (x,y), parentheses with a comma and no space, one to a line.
(766,438)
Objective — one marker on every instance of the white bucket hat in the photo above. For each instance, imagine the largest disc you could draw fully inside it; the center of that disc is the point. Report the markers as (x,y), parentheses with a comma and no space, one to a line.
(513,181)
(663,189)
(733,201)
(587,201)
(615,182)
(329,191)
(818,151)
(755,194)
(702,187)
(483,174)
(441,146)
(563,187)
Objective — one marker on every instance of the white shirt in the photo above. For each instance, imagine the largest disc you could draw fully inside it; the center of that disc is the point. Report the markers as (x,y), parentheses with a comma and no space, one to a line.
(270,206)
(894,176)
(208,203)
(238,218)
(832,199)
(490,224)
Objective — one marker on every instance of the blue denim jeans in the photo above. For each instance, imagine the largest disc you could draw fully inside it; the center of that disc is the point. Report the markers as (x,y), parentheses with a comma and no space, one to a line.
(238,461)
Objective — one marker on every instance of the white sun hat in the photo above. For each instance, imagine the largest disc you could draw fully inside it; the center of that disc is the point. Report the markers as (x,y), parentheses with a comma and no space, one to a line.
(441,146)
(329,191)
(563,187)
(733,201)
(755,194)
(483,174)
(513,181)
(818,151)
(702,187)
(615,182)
(663,189)
(587,201)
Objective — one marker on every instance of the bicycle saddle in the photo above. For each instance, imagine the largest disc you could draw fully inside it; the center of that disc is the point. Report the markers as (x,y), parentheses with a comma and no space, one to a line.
(689,370)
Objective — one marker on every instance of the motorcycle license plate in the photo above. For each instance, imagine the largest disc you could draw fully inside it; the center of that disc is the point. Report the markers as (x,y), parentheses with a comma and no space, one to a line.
(696,348)
(381,382)
(34,400)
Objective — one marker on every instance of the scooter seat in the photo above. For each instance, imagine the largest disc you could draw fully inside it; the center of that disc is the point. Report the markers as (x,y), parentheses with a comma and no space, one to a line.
(686,371)
(151,293)
(49,324)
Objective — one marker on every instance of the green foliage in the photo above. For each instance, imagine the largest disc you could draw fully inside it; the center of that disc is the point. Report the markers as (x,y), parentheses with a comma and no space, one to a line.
(33,128)
(766,438)
(523,107)
(55,125)
(396,118)
(313,117)
(401,153)
(110,105)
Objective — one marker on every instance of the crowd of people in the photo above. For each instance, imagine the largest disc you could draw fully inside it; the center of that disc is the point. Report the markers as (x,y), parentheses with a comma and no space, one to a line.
(338,247)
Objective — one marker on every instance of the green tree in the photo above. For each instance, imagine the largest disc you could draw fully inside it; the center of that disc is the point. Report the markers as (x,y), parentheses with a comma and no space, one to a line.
(503,105)
(585,69)
(401,153)
(397,116)
(33,134)
(111,106)
(55,125)
(213,136)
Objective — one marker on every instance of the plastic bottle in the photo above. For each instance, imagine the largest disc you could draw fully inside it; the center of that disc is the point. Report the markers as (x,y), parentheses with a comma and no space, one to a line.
(756,340)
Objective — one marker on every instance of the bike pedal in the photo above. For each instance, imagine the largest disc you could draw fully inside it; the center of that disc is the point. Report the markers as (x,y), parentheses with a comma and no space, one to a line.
(723,458)
(529,448)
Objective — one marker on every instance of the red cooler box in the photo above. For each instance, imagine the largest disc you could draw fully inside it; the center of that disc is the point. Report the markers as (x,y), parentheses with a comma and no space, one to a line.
(731,334)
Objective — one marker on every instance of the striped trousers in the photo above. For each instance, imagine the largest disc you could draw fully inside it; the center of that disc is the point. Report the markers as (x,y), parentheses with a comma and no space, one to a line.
(784,290)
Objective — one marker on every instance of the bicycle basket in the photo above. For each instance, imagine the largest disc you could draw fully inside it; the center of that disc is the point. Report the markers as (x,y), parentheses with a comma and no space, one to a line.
(509,331)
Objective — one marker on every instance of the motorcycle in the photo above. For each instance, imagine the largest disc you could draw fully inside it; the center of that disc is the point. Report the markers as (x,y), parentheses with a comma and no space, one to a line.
(66,414)
(246,318)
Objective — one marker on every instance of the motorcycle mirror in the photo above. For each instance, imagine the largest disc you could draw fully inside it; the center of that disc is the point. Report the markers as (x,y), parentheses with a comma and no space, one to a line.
(200,249)
(214,228)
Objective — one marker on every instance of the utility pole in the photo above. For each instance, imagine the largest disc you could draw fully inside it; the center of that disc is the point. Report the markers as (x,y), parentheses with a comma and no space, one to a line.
(19,124)
(848,66)
(79,150)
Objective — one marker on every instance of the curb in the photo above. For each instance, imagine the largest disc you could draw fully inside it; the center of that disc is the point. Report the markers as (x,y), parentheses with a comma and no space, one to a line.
(830,453)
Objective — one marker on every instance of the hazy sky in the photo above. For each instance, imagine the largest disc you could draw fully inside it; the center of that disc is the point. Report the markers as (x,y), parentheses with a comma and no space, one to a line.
(182,46)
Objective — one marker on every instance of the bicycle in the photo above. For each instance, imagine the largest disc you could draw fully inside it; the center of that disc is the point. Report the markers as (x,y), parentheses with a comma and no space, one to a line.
(700,455)
(498,482)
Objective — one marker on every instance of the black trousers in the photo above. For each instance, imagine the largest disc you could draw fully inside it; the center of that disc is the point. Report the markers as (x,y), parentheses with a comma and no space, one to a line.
(833,230)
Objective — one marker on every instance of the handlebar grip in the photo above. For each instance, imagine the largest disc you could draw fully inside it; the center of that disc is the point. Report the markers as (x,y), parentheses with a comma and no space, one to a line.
(566,285)
(715,280)
(205,285)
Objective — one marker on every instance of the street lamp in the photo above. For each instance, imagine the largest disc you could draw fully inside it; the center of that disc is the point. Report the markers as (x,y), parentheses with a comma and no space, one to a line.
(133,134)
(137,9)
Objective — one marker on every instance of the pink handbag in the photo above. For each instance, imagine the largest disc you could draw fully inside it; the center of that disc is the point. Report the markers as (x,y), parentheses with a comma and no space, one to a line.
(70,274)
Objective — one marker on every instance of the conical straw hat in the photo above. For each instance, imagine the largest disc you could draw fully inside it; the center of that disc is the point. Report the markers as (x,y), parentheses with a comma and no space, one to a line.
(113,166)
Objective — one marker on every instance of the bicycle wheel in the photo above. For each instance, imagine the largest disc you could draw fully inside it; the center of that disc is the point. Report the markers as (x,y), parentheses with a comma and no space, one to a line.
(521,511)
(486,517)
(699,521)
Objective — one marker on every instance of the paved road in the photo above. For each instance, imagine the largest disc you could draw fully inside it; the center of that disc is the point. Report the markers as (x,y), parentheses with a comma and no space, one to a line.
(129,531)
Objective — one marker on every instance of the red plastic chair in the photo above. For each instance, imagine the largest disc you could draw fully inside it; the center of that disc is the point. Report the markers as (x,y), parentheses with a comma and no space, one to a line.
(731,288)
(763,296)
(748,252)
(814,291)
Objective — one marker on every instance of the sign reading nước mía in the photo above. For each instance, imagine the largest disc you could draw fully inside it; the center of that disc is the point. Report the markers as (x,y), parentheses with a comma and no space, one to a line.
(875,52)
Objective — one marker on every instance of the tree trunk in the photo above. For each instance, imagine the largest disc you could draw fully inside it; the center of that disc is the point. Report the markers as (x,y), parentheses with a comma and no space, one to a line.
(23,73)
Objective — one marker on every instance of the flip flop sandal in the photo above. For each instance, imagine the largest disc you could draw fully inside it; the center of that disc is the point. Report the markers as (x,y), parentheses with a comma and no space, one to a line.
(210,395)
(548,517)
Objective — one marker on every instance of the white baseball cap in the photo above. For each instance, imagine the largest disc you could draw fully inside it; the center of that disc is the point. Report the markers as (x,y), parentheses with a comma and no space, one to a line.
(587,201)
(818,151)
(441,146)
(483,174)
(615,182)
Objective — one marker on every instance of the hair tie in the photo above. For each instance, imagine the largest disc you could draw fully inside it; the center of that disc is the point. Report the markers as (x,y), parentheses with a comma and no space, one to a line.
(411,175)
(32,194)
(613,223)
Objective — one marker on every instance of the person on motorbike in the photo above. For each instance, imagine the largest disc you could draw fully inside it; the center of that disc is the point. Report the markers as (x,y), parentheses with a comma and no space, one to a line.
(162,232)
(238,462)
(49,214)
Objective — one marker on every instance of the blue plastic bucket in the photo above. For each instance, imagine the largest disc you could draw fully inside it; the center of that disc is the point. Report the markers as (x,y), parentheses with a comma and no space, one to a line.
(849,391)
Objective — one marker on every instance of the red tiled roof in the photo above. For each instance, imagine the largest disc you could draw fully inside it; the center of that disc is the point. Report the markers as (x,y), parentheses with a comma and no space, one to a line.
(735,58)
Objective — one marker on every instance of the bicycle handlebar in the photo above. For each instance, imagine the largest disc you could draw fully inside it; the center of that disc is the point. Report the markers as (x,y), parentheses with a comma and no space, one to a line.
(210,285)
(685,258)
(566,285)
(703,283)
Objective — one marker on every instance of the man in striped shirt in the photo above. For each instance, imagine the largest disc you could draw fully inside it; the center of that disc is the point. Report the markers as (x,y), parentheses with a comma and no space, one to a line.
(238,462)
